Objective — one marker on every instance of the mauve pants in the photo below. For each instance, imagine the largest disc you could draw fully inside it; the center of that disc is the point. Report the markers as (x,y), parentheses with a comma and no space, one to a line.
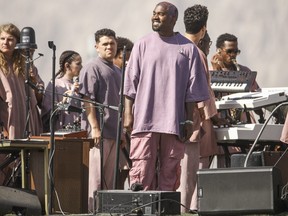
(156,160)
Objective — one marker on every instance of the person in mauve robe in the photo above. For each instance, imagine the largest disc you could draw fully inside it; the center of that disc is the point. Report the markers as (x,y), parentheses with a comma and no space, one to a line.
(13,116)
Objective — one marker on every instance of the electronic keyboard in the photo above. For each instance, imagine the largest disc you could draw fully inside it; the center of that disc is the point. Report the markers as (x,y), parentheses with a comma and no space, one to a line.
(232,81)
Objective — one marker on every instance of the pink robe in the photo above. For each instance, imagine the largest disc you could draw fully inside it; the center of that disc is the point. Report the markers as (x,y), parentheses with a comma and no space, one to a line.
(202,145)
(208,142)
(63,118)
(13,107)
(13,110)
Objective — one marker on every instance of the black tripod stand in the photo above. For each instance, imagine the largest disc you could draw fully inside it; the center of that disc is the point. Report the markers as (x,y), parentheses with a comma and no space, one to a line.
(12,180)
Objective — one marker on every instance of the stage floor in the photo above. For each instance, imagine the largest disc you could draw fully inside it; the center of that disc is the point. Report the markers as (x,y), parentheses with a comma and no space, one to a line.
(105,214)
(281,214)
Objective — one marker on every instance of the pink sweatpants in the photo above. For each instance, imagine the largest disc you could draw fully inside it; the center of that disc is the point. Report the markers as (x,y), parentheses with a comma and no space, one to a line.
(156,160)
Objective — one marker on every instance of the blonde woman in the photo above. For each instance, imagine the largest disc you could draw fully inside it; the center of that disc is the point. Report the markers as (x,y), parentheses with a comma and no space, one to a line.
(13,117)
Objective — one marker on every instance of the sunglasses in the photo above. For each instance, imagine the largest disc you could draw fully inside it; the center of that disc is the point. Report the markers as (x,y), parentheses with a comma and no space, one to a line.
(230,51)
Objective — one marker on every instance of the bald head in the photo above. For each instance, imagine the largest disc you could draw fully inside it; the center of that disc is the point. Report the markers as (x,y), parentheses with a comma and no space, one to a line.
(171,9)
(164,18)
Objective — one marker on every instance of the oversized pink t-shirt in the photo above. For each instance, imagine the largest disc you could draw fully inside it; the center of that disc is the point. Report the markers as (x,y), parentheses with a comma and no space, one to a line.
(162,74)
(100,80)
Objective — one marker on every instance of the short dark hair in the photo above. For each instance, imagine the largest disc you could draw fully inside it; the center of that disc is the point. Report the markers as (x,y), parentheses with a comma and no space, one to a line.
(121,42)
(104,32)
(225,37)
(195,18)
(171,9)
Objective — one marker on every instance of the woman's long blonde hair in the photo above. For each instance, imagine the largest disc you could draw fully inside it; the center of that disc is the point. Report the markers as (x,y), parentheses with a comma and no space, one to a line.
(17,59)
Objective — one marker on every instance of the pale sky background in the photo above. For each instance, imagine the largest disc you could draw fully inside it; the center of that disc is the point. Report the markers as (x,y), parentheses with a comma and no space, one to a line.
(71,24)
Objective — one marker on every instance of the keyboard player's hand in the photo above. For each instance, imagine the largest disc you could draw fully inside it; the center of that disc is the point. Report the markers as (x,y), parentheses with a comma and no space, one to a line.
(217,62)
(220,122)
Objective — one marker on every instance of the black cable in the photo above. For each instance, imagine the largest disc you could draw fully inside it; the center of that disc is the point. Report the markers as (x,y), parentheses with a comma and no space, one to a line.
(157,201)
(260,133)
(119,205)
(9,159)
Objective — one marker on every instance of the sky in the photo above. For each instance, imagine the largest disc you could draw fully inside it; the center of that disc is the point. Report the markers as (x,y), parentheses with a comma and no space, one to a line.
(71,24)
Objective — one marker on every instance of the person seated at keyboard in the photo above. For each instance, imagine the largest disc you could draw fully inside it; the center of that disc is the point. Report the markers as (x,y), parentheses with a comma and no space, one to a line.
(226,53)
(225,60)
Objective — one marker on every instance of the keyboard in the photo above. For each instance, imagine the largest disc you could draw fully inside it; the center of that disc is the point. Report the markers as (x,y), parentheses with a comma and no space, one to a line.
(232,81)
(251,100)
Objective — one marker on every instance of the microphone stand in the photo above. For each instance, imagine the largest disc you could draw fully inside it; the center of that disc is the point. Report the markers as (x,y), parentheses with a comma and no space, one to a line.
(27,90)
(52,127)
(119,126)
(28,82)
(100,108)
(59,107)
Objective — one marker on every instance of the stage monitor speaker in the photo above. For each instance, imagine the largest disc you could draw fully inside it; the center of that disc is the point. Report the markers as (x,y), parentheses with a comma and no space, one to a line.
(278,159)
(238,191)
(137,203)
(238,160)
(19,202)
(257,158)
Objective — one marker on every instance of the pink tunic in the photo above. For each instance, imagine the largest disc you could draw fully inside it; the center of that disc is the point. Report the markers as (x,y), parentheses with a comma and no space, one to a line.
(13,107)
(208,142)
(63,118)
(101,81)
(13,110)
(202,145)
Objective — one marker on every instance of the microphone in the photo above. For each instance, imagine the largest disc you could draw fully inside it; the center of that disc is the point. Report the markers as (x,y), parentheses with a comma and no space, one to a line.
(69,108)
(38,88)
(27,39)
(39,56)
(236,64)
(51,45)
(75,79)
(137,186)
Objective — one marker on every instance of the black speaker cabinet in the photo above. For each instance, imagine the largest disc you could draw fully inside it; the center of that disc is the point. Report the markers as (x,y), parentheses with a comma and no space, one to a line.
(278,159)
(19,202)
(137,203)
(258,158)
(235,191)
(238,160)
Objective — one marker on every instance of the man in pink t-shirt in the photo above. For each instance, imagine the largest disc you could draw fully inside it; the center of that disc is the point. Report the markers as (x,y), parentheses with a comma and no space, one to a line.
(164,79)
